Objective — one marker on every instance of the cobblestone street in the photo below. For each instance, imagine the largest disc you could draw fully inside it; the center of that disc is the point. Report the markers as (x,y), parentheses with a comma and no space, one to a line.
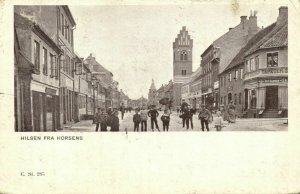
(273,124)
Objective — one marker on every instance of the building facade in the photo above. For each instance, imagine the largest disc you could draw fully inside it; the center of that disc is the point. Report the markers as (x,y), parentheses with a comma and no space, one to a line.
(182,63)
(43,93)
(219,55)
(266,72)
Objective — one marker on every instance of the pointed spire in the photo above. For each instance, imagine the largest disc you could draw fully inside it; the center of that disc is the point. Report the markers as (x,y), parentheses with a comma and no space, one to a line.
(152,87)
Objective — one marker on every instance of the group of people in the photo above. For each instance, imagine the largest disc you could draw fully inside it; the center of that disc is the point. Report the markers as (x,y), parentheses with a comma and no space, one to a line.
(186,114)
(110,118)
(141,117)
(107,119)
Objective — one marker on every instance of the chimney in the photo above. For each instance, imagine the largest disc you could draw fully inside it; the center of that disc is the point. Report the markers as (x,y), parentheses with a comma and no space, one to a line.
(230,29)
(253,28)
(283,14)
(243,18)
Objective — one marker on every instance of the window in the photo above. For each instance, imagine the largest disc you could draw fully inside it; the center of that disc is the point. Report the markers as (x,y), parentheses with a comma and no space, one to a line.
(247,65)
(272,59)
(240,98)
(252,68)
(236,74)
(229,77)
(62,24)
(65,28)
(72,68)
(256,62)
(58,20)
(221,100)
(45,62)
(253,99)
(36,55)
(52,65)
(242,73)
(235,99)
(183,56)
(71,37)
(183,72)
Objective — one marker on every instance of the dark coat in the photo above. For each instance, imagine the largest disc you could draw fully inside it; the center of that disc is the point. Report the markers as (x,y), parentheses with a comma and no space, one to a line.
(153,113)
(136,118)
(114,123)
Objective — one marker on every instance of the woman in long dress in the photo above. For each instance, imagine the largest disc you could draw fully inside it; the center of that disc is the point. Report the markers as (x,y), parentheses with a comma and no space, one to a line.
(231,112)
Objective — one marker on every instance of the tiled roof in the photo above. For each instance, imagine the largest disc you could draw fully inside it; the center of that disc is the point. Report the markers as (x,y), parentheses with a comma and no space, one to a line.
(277,37)
(96,66)
(252,43)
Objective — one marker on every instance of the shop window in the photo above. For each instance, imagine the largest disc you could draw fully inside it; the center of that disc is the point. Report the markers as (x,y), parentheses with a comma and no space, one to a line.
(45,62)
(36,55)
(272,59)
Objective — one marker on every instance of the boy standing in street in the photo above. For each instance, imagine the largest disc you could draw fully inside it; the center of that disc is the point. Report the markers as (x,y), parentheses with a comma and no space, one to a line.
(204,116)
(165,118)
(153,114)
(144,118)
(136,120)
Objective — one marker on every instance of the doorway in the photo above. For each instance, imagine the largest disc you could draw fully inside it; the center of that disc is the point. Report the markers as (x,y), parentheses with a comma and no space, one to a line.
(272,97)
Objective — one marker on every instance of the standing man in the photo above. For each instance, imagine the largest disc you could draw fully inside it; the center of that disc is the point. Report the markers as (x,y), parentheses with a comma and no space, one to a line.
(204,116)
(103,120)
(114,121)
(189,117)
(122,109)
(183,108)
(153,114)
(144,118)
(97,119)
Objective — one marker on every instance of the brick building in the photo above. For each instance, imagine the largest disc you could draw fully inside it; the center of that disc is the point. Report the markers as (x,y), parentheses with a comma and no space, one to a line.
(219,55)
(182,63)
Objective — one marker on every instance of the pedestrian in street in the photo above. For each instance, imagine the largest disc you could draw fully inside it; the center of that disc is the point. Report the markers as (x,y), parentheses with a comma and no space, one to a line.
(97,119)
(183,108)
(122,110)
(144,118)
(218,121)
(136,120)
(114,121)
(204,116)
(231,112)
(188,114)
(103,120)
(153,114)
(165,118)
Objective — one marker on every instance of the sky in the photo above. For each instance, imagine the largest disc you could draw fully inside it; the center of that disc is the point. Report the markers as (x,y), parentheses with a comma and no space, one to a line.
(134,42)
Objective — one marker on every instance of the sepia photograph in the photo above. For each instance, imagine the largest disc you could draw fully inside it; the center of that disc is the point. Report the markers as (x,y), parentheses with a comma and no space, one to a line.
(198,93)
(74,72)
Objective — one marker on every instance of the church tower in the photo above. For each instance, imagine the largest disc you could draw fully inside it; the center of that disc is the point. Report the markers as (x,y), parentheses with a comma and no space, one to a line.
(182,62)
(152,94)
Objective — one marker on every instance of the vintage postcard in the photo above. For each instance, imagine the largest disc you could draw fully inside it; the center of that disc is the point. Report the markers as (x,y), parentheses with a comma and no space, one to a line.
(195,91)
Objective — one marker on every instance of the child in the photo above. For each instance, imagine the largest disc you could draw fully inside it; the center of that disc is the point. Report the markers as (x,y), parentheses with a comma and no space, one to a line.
(165,118)
(218,121)
(136,120)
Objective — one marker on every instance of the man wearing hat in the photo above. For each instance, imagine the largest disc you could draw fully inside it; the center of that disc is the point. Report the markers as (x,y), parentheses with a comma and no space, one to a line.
(204,116)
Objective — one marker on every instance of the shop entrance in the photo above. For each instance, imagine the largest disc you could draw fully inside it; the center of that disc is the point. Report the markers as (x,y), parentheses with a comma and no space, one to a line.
(272,97)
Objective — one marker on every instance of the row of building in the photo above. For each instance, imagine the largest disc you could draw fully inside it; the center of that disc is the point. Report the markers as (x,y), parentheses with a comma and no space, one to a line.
(247,66)
(53,84)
